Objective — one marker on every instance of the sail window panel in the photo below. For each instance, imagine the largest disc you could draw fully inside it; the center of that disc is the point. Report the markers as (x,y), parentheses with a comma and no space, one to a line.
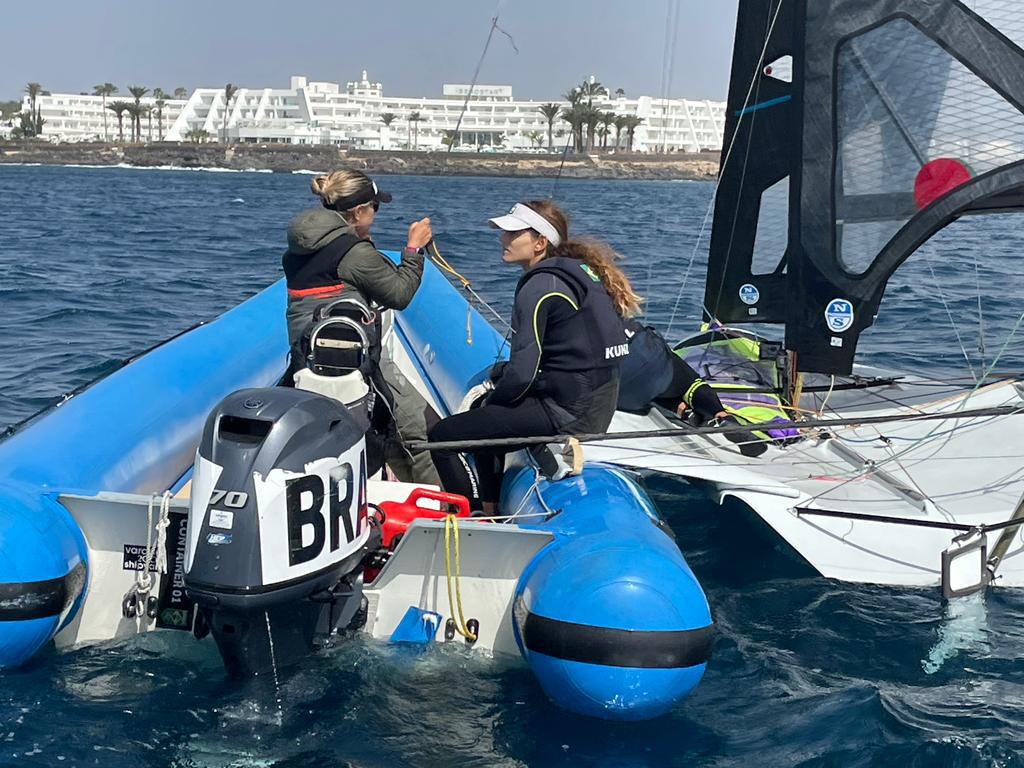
(1004,15)
(903,102)
(772,229)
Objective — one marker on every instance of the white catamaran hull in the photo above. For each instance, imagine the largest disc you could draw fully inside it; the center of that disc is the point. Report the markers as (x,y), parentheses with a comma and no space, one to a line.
(968,472)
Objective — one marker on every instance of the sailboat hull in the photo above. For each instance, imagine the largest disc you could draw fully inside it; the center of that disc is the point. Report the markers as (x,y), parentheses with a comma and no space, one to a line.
(959,472)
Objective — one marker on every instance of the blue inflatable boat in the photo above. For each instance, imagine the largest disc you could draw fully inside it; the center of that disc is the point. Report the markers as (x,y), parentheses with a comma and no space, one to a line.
(120,510)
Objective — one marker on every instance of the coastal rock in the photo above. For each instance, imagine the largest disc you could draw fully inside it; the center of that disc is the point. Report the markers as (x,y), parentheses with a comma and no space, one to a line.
(285,158)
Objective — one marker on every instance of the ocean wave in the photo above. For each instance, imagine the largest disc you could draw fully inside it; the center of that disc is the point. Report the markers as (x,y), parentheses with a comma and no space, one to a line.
(129,166)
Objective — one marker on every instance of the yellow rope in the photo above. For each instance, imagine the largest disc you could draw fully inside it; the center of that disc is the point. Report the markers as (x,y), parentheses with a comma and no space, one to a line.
(442,263)
(451,522)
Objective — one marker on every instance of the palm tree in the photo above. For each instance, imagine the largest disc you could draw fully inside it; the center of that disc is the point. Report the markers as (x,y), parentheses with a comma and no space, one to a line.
(591,88)
(137,91)
(180,93)
(387,118)
(229,93)
(34,90)
(550,112)
(591,117)
(536,138)
(573,96)
(574,117)
(197,135)
(414,117)
(104,90)
(607,120)
(135,112)
(620,123)
(588,90)
(632,123)
(620,93)
(160,96)
(119,108)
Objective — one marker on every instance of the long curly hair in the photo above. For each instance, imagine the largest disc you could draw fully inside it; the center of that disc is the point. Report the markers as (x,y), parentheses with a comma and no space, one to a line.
(598,255)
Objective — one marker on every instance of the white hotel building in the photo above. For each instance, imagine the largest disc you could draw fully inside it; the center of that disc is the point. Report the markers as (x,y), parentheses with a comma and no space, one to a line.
(80,117)
(311,112)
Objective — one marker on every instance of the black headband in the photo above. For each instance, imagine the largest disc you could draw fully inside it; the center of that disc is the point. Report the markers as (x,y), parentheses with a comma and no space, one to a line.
(365,195)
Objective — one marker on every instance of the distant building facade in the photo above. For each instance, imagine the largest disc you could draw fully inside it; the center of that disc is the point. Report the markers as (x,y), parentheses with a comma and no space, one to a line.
(353,115)
(80,117)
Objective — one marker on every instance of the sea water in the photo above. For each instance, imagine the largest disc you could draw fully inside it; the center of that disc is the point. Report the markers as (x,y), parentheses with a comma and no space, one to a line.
(98,264)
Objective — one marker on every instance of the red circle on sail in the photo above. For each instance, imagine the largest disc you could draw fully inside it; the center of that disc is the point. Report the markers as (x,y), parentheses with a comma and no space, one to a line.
(937,177)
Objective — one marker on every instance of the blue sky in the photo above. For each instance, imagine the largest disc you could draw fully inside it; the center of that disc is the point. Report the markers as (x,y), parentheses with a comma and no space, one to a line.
(411,46)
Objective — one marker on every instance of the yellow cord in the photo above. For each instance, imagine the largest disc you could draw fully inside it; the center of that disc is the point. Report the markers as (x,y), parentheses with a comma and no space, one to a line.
(443,264)
(451,522)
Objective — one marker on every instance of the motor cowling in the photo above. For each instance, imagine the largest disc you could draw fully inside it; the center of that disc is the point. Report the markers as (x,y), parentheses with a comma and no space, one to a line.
(277,525)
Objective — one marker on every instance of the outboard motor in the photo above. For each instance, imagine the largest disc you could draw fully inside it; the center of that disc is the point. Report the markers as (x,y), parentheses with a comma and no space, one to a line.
(277,528)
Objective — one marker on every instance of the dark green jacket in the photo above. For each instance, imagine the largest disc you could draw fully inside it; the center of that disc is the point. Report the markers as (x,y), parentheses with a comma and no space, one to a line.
(363,269)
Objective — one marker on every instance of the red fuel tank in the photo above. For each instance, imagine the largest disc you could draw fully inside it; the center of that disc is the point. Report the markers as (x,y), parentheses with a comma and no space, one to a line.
(398,515)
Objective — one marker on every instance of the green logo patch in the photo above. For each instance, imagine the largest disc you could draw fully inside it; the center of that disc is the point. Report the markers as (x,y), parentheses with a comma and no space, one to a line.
(592,274)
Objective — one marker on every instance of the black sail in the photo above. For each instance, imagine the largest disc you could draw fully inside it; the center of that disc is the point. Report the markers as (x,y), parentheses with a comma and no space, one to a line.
(856,130)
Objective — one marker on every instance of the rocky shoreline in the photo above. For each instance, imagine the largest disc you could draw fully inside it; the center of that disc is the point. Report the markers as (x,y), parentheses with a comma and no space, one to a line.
(288,158)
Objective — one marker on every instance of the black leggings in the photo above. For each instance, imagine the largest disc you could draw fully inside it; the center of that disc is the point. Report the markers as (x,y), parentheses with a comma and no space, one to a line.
(703,399)
(527,418)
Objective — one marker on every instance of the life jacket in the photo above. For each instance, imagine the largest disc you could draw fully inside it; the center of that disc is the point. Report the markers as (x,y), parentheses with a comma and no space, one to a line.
(591,338)
(315,275)
(314,288)
(647,371)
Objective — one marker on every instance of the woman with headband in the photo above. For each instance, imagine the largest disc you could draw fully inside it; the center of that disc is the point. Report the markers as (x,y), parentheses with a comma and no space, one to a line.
(562,376)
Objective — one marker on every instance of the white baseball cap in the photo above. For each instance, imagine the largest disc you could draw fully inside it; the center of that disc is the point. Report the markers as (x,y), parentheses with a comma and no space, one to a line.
(524,217)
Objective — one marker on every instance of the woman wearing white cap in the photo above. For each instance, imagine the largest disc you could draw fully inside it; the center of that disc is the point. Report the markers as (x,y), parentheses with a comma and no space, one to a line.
(562,375)
(330,255)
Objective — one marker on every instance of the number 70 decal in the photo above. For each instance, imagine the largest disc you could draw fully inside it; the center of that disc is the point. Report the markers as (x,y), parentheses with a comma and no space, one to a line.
(233,499)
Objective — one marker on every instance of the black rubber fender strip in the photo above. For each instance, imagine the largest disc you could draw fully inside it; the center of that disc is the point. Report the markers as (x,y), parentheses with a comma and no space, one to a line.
(610,647)
(27,600)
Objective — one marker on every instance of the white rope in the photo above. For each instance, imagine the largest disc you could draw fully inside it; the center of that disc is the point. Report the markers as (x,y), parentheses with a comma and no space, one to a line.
(156,552)
(161,532)
(143,579)
(821,408)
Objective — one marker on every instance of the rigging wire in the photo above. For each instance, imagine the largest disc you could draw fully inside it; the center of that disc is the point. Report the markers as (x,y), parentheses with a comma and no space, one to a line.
(476,72)
(561,165)
(949,314)
(957,413)
(667,65)
(981,314)
(436,256)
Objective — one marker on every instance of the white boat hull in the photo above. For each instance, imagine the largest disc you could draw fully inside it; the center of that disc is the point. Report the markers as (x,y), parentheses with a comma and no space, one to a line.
(964,471)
